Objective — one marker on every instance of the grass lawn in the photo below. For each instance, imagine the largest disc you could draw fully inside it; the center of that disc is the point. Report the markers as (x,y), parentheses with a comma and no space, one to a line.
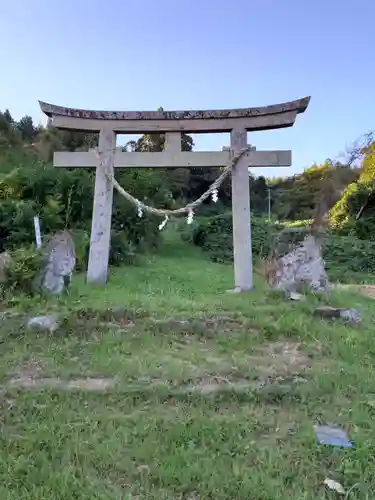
(214,395)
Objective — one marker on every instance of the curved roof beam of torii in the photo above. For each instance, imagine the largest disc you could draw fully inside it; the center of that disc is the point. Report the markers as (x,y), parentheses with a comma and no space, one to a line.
(195,121)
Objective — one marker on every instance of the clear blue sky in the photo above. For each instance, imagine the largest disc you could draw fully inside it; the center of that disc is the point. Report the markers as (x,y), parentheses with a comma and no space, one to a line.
(139,55)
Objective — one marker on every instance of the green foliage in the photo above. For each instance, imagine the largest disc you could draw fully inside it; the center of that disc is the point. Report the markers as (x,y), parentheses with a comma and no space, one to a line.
(177,180)
(7,116)
(22,270)
(349,253)
(215,236)
(9,135)
(17,225)
(354,213)
(122,250)
(297,197)
(29,186)
(63,198)
(27,129)
(81,239)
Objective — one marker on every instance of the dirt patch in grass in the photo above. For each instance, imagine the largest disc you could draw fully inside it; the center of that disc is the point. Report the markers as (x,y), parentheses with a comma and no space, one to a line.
(282,359)
(31,368)
(366,290)
(91,318)
(272,364)
(84,384)
(87,320)
(224,323)
(32,375)
(269,364)
(209,385)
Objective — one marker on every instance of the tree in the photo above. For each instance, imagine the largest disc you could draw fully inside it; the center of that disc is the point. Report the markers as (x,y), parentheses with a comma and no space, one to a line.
(178,178)
(258,194)
(51,139)
(355,211)
(27,129)
(318,187)
(8,116)
(9,135)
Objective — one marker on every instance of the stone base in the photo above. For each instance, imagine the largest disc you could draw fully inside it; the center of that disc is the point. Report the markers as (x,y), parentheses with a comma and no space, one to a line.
(238,289)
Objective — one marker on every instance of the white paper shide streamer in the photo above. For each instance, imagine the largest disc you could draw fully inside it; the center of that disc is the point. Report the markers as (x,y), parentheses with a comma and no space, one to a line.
(142,208)
(190,216)
(164,223)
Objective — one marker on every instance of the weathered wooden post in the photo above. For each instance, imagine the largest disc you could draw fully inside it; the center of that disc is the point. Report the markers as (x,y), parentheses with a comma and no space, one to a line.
(236,121)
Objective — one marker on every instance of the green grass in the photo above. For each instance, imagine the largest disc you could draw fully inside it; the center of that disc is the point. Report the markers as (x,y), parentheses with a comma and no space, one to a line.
(220,407)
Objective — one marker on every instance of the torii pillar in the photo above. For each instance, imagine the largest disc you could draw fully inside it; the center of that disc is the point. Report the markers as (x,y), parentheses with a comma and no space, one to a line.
(236,121)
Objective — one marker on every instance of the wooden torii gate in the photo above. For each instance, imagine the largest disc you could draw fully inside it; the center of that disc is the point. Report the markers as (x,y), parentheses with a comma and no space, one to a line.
(236,121)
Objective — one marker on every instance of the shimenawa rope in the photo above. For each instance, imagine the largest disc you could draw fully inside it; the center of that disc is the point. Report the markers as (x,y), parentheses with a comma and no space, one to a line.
(189,208)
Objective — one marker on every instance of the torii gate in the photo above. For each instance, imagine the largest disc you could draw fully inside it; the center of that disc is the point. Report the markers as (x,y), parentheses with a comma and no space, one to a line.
(236,121)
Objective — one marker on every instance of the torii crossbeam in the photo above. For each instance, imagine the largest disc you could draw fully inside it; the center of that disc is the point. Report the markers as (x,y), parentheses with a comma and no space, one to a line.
(236,121)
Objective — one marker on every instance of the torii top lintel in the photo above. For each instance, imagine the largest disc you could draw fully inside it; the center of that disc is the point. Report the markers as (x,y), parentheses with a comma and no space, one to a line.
(195,121)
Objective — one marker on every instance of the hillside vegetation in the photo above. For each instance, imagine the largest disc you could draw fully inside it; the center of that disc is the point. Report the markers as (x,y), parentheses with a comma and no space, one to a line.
(161,385)
(29,185)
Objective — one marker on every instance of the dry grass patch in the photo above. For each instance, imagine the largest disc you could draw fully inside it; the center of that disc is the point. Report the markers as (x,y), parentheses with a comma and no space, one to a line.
(85,384)
(196,367)
(366,290)
(281,359)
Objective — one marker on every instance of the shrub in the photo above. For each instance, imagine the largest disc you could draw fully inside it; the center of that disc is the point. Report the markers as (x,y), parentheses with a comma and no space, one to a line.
(215,236)
(354,212)
(22,270)
(81,240)
(349,253)
(64,198)
(122,251)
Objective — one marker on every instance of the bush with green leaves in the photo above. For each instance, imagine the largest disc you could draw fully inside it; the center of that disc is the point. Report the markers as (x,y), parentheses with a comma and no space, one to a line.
(22,270)
(354,213)
(215,236)
(122,251)
(349,253)
(63,198)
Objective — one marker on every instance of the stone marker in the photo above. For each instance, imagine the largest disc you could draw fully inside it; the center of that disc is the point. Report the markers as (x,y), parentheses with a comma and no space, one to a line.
(302,266)
(59,263)
(349,315)
(41,324)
